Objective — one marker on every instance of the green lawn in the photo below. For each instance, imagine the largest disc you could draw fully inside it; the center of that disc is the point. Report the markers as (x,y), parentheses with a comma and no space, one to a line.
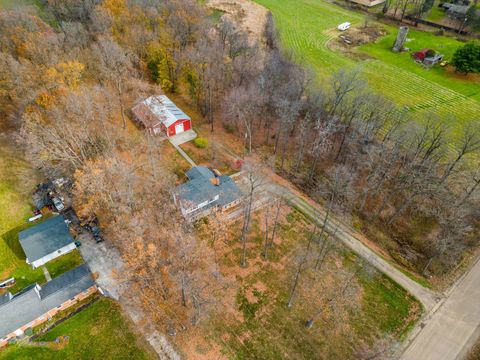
(14,265)
(435,14)
(17,181)
(98,332)
(307,26)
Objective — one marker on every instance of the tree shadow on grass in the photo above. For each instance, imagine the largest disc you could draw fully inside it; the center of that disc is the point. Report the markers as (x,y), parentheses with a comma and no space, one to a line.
(12,241)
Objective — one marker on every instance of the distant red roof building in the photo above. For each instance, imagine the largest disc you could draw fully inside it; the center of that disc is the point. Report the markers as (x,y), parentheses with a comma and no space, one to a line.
(159,114)
(422,54)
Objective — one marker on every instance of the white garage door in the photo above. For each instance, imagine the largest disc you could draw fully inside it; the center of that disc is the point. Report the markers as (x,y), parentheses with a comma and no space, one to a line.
(179,128)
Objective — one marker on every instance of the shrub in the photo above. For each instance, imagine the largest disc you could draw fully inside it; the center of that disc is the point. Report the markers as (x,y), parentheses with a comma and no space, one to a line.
(467,58)
(229,128)
(200,142)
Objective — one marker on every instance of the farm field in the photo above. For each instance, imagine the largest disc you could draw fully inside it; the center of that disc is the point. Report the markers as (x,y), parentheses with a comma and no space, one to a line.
(97,332)
(11,4)
(307,26)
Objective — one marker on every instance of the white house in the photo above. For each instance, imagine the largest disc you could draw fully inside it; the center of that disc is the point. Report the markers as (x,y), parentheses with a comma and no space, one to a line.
(36,304)
(46,241)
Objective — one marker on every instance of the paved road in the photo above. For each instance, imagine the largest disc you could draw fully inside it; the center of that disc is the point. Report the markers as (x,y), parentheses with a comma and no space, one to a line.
(452,324)
(104,260)
(344,233)
(450,331)
(347,235)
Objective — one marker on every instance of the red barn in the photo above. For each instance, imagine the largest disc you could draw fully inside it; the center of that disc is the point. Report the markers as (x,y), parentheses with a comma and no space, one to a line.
(421,55)
(159,114)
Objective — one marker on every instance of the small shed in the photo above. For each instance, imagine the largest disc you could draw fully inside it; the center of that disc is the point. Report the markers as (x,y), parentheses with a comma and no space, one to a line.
(427,57)
(46,241)
(159,114)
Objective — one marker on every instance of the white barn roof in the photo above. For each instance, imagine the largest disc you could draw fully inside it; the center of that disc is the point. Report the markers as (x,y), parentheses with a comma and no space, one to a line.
(164,109)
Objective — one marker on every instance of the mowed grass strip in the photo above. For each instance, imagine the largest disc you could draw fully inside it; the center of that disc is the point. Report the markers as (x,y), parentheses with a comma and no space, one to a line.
(307,26)
(97,332)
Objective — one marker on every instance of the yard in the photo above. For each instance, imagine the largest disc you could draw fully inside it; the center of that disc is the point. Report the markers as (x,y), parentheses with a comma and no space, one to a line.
(98,332)
(255,323)
(17,181)
(307,27)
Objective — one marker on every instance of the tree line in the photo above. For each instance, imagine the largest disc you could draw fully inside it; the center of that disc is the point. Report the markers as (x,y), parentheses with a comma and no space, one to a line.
(67,82)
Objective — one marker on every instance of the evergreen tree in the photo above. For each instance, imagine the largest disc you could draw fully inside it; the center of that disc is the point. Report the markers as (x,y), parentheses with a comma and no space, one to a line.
(426,6)
(467,58)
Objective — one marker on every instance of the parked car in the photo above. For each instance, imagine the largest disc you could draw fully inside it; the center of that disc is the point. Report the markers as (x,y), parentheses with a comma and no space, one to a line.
(58,204)
(98,238)
(93,228)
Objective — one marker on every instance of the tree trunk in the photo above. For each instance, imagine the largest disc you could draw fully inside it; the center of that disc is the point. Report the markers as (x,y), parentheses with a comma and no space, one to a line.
(298,272)
(246,225)
(265,250)
(400,211)
(120,101)
(469,193)
(272,242)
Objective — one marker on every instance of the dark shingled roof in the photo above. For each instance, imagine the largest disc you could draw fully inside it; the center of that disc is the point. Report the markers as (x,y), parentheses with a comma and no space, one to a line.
(229,191)
(35,301)
(200,172)
(200,189)
(5,298)
(45,238)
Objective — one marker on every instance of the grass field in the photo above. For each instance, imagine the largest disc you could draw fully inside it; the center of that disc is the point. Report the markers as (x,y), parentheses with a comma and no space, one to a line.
(11,4)
(307,26)
(98,332)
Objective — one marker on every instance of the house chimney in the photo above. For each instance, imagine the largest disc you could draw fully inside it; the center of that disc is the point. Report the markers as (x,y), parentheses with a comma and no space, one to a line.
(215,181)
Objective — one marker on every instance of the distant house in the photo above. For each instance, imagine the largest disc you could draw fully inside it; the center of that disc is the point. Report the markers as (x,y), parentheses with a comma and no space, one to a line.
(368,3)
(455,11)
(159,114)
(46,241)
(205,192)
(38,303)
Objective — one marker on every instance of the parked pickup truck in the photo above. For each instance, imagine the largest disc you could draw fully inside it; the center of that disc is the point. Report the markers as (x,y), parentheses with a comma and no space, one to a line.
(58,204)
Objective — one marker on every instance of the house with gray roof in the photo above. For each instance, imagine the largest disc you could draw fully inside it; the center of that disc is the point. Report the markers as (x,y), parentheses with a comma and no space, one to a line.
(204,192)
(38,303)
(46,241)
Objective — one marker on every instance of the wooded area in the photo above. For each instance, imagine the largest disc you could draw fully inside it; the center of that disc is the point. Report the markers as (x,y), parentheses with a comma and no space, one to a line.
(67,86)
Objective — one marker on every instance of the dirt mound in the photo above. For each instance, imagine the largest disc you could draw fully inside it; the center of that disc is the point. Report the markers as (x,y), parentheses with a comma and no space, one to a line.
(250,16)
(361,35)
(347,41)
